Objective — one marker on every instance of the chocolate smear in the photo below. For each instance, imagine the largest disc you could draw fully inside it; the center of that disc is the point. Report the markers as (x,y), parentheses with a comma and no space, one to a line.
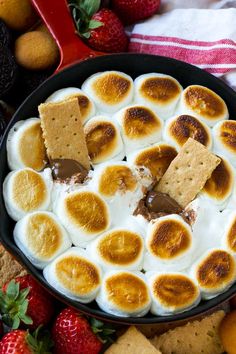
(156,205)
(65,169)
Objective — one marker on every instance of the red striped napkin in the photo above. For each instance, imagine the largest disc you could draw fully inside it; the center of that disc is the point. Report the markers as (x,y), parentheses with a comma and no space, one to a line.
(203,37)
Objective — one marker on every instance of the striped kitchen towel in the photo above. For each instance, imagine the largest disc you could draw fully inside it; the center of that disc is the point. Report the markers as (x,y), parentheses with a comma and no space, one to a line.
(203,37)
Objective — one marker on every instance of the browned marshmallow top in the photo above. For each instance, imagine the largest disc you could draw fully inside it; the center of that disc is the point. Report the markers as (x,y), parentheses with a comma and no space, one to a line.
(221,181)
(216,270)
(186,126)
(127,291)
(156,158)
(160,90)
(169,239)
(120,247)
(111,88)
(116,178)
(204,102)
(139,121)
(77,274)
(101,139)
(174,290)
(227,134)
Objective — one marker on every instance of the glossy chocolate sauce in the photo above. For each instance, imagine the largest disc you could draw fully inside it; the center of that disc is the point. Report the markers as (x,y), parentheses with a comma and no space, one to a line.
(64,169)
(157,204)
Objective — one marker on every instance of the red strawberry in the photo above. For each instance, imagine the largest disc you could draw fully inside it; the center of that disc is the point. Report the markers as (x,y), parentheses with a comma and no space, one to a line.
(131,11)
(110,37)
(101,29)
(72,334)
(24,300)
(21,342)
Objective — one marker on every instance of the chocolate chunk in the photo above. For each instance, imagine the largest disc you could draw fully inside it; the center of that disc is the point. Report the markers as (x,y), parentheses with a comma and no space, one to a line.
(8,71)
(66,168)
(158,202)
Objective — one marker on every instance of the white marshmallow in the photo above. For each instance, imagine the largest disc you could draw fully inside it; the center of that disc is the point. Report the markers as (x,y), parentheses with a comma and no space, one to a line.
(172,293)
(75,275)
(84,214)
(41,237)
(110,90)
(25,145)
(140,126)
(161,92)
(124,293)
(26,190)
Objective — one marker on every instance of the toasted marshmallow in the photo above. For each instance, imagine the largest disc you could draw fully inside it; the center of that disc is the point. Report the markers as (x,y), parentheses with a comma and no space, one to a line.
(74,275)
(115,178)
(156,158)
(84,214)
(86,105)
(103,140)
(122,186)
(26,190)
(41,237)
(224,138)
(169,243)
(172,293)
(204,104)
(228,239)
(118,249)
(110,90)
(161,92)
(25,145)
(179,128)
(219,186)
(140,126)
(124,293)
(214,272)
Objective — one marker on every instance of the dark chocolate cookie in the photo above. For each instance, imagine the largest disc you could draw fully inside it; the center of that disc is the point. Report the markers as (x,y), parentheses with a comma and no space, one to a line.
(5,35)
(8,71)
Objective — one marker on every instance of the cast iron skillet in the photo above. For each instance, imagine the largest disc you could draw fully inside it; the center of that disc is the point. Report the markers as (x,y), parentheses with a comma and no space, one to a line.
(134,65)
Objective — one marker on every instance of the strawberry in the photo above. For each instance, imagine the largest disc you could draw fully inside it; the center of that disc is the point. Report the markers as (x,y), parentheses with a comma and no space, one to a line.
(21,342)
(102,29)
(110,37)
(131,11)
(25,301)
(72,334)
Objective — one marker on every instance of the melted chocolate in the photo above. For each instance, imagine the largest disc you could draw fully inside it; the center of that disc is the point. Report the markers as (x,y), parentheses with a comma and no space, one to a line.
(157,204)
(64,169)
(162,203)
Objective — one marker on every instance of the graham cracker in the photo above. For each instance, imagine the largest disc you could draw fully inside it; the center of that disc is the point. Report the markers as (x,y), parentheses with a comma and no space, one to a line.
(198,337)
(188,172)
(132,342)
(63,131)
(9,267)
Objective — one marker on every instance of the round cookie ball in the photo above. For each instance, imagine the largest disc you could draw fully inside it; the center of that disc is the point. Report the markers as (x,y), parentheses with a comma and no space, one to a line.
(36,50)
(227,332)
(18,14)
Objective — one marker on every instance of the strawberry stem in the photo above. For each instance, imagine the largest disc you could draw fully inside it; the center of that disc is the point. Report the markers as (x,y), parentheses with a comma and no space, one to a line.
(103,331)
(82,12)
(14,305)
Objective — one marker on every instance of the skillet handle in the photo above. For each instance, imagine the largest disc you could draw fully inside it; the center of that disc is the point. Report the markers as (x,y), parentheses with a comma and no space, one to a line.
(57,17)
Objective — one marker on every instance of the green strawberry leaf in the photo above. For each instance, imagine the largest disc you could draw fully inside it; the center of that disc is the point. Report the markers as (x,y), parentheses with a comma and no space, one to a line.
(103,331)
(12,290)
(15,323)
(40,341)
(90,6)
(95,24)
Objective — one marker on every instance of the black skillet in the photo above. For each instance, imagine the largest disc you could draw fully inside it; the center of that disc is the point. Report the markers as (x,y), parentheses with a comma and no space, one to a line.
(134,65)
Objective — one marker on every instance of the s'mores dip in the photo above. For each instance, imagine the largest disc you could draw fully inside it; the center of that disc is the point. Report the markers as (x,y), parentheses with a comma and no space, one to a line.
(123,193)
